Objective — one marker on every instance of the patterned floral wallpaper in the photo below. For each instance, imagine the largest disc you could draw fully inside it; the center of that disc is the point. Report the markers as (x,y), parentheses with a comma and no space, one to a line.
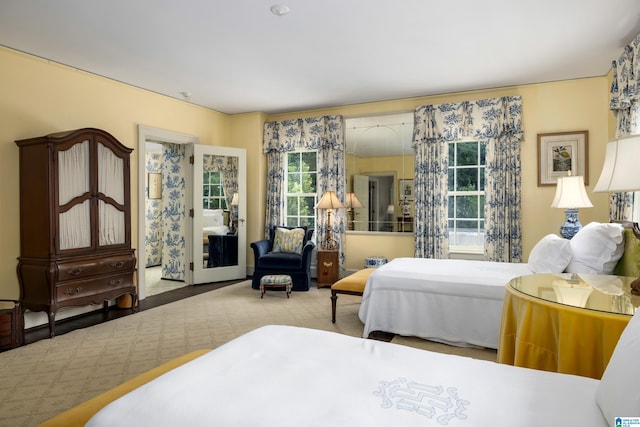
(173,211)
(153,213)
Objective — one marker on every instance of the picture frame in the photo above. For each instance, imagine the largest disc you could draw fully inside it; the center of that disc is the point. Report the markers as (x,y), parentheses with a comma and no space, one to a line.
(155,185)
(560,153)
(406,189)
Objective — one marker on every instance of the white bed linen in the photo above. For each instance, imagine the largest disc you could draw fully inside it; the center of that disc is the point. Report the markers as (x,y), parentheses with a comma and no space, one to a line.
(448,300)
(219,230)
(288,376)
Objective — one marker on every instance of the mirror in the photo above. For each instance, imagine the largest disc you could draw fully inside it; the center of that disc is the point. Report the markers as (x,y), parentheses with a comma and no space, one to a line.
(379,171)
(219,211)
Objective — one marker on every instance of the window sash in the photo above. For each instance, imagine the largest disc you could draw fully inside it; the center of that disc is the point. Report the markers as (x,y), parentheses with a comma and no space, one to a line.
(300,193)
(213,196)
(465,221)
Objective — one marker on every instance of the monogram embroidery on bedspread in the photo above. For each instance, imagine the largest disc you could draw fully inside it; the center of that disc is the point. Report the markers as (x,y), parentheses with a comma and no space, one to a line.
(434,402)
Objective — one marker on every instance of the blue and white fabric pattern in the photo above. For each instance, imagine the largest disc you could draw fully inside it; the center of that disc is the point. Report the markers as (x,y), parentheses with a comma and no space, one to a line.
(227,166)
(625,93)
(496,122)
(174,212)
(326,136)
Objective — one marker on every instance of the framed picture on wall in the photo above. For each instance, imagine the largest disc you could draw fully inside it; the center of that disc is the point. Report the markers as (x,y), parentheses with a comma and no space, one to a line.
(561,153)
(406,189)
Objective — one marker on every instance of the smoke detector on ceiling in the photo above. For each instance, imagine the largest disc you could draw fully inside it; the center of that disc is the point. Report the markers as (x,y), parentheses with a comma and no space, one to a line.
(280,9)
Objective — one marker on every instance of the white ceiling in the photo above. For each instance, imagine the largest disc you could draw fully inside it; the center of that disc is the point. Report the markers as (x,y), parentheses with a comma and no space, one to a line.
(236,56)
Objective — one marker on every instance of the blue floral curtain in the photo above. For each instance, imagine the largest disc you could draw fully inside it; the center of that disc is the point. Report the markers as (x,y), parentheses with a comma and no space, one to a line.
(496,122)
(500,124)
(322,134)
(227,166)
(433,127)
(625,92)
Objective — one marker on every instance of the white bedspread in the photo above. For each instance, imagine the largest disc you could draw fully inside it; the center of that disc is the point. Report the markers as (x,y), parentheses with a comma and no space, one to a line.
(287,376)
(219,230)
(454,301)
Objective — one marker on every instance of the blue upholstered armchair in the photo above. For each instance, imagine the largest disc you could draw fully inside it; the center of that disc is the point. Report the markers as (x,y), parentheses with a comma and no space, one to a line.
(282,253)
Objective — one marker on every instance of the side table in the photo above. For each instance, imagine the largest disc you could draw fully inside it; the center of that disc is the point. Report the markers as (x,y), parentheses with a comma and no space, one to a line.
(561,323)
(327,268)
(11,324)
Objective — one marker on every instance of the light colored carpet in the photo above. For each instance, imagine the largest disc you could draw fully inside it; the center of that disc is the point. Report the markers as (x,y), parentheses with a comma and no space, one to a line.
(47,377)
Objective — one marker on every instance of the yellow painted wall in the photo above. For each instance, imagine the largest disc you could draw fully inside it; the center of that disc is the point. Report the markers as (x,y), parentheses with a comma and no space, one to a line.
(399,166)
(39,97)
(246,132)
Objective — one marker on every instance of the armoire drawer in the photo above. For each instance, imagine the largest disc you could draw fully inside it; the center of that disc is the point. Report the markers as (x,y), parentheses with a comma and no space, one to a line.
(84,288)
(94,267)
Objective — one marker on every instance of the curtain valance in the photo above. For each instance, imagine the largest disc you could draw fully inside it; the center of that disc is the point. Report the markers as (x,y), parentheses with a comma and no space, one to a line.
(483,119)
(624,102)
(626,73)
(315,133)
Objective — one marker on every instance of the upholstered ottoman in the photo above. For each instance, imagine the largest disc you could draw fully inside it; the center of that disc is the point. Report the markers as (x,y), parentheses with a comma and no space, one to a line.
(351,285)
(275,281)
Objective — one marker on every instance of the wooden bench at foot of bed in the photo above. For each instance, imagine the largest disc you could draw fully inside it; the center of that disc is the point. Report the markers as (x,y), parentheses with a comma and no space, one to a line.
(79,415)
(351,285)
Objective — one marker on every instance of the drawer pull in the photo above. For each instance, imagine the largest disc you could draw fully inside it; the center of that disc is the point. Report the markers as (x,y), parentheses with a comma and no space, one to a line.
(115,282)
(73,291)
(75,271)
(117,264)
(327,264)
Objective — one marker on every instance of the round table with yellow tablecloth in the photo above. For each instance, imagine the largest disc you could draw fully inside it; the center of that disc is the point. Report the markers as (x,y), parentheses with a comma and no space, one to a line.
(563,322)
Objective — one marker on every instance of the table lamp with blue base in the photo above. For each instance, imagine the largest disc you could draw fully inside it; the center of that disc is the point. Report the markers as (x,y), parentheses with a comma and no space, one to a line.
(571,195)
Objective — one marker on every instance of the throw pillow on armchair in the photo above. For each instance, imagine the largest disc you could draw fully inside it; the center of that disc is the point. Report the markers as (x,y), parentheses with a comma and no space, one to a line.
(289,240)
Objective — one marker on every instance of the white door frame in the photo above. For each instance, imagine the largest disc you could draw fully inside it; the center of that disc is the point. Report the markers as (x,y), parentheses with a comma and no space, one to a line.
(150,134)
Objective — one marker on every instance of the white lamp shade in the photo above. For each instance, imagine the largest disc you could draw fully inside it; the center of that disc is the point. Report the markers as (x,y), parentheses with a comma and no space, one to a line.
(576,296)
(353,202)
(234,199)
(571,194)
(329,200)
(620,169)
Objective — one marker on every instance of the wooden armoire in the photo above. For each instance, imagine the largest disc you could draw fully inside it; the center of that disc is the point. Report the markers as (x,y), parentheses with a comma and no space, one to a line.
(75,222)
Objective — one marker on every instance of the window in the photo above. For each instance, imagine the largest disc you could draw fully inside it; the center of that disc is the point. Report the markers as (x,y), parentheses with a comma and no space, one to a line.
(213,191)
(300,190)
(466,196)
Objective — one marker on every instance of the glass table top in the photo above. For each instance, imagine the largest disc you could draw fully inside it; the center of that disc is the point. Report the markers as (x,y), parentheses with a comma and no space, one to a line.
(610,294)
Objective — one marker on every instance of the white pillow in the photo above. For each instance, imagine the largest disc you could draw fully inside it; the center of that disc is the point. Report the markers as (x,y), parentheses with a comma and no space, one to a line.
(550,255)
(618,394)
(212,217)
(596,248)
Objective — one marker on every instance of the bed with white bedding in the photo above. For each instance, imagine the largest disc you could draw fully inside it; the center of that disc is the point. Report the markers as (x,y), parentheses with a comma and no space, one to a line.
(459,302)
(454,301)
(291,376)
(213,223)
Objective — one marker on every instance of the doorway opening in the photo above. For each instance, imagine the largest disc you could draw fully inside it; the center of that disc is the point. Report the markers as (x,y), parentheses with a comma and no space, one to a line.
(161,219)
